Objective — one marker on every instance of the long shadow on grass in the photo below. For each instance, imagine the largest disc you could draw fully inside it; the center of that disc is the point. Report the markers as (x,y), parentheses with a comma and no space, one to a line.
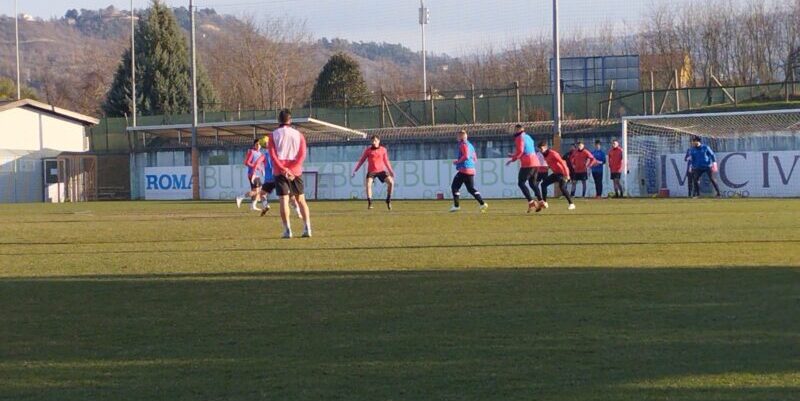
(382,248)
(599,334)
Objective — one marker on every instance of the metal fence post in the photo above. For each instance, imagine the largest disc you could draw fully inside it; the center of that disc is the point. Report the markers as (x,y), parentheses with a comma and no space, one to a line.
(474,109)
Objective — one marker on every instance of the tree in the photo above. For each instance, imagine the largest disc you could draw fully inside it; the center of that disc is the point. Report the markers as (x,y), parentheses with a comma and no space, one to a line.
(341,79)
(8,90)
(163,71)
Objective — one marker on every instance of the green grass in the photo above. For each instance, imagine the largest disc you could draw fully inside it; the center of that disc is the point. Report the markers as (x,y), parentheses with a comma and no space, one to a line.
(620,300)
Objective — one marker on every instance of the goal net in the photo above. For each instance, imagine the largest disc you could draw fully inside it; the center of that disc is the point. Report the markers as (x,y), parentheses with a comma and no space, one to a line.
(757,153)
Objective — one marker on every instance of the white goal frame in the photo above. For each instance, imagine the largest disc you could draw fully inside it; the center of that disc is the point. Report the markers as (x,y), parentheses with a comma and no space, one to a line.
(624,141)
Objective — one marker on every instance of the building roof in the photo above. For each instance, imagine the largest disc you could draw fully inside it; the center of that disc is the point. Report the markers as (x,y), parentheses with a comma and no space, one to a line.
(167,138)
(248,129)
(49,109)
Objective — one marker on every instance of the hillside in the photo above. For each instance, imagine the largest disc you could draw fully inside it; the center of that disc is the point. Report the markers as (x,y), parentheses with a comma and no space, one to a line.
(70,61)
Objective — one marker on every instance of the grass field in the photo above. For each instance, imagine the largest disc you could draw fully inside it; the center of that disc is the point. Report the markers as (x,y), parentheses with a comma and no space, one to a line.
(619,300)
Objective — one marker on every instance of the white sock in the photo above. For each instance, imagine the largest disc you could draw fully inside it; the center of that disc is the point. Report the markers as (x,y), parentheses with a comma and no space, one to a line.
(264,202)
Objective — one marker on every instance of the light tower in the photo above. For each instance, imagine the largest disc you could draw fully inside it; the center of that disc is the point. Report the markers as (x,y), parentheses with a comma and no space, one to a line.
(424,19)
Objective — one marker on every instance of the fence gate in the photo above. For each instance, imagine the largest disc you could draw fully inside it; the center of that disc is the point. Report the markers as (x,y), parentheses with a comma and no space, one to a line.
(78,176)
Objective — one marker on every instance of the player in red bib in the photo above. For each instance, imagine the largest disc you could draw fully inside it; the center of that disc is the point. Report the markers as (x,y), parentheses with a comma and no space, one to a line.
(378,166)
(581,159)
(560,175)
(616,163)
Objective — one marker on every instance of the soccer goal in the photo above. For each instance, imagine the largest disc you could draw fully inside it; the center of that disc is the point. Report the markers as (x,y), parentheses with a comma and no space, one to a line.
(757,153)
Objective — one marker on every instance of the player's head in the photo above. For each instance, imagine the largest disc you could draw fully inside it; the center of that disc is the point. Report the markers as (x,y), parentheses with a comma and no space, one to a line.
(376,141)
(285,117)
(462,135)
(518,128)
(614,143)
(696,141)
(573,146)
(598,144)
(542,146)
(257,144)
(580,145)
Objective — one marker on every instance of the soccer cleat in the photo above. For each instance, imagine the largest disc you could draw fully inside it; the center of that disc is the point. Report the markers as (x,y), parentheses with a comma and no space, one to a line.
(239,200)
(571,206)
(287,234)
(264,210)
(389,205)
(540,206)
(533,205)
(254,208)
(483,208)
(454,209)
(545,205)
(306,233)
(370,207)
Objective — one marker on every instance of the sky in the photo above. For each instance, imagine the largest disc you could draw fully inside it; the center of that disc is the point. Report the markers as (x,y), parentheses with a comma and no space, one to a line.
(457,26)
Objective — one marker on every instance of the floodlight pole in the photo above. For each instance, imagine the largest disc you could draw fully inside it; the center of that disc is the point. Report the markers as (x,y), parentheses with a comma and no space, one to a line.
(133,67)
(556,81)
(424,19)
(16,40)
(195,150)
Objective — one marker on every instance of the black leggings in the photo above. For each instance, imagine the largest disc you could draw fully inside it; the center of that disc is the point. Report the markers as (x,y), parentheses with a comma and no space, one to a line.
(529,176)
(598,182)
(468,180)
(697,174)
(562,185)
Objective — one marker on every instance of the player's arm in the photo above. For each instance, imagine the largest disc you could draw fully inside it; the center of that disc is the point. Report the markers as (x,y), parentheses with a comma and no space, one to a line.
(590,160)
(518,150)
(248,160)
(711,155)
(360,162)
(301,155)
(464,153)
(387,163)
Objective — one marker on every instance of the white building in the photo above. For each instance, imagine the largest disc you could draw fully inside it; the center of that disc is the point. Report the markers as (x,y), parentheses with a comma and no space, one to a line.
(42,154)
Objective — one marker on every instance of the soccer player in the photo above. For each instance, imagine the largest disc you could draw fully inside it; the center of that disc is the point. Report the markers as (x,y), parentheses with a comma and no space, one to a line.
(703,161)
(568,159)
(581,159)
(597,169)
(465,164)
(559,176)
(529,166)
(288,152)
(616,163)
(254,160)
(378,166)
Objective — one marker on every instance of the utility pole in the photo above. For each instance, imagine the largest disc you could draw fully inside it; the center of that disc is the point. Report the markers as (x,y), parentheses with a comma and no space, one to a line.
(133,66)
(16,35)
(424,19)
(195,150)
(556,81)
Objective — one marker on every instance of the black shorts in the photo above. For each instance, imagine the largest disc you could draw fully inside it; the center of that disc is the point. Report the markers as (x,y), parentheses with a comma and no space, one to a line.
(255,184)
(580,177)
(616,176)
(381,176)
(268,187)
(284,187)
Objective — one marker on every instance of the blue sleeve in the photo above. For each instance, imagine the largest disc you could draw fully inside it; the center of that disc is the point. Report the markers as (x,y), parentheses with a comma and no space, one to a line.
(602,157)
(711,155)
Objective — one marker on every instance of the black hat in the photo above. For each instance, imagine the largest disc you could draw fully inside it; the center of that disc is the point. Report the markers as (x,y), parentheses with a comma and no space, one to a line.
(696,139)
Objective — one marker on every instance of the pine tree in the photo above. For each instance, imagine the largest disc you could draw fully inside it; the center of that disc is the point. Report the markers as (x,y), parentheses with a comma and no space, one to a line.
(163,70)
(341,77)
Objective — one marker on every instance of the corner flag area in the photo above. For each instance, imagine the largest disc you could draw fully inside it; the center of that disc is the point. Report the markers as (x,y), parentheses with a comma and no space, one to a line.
(631,299)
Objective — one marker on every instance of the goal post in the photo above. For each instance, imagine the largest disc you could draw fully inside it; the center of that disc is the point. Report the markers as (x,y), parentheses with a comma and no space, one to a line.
(758,153)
